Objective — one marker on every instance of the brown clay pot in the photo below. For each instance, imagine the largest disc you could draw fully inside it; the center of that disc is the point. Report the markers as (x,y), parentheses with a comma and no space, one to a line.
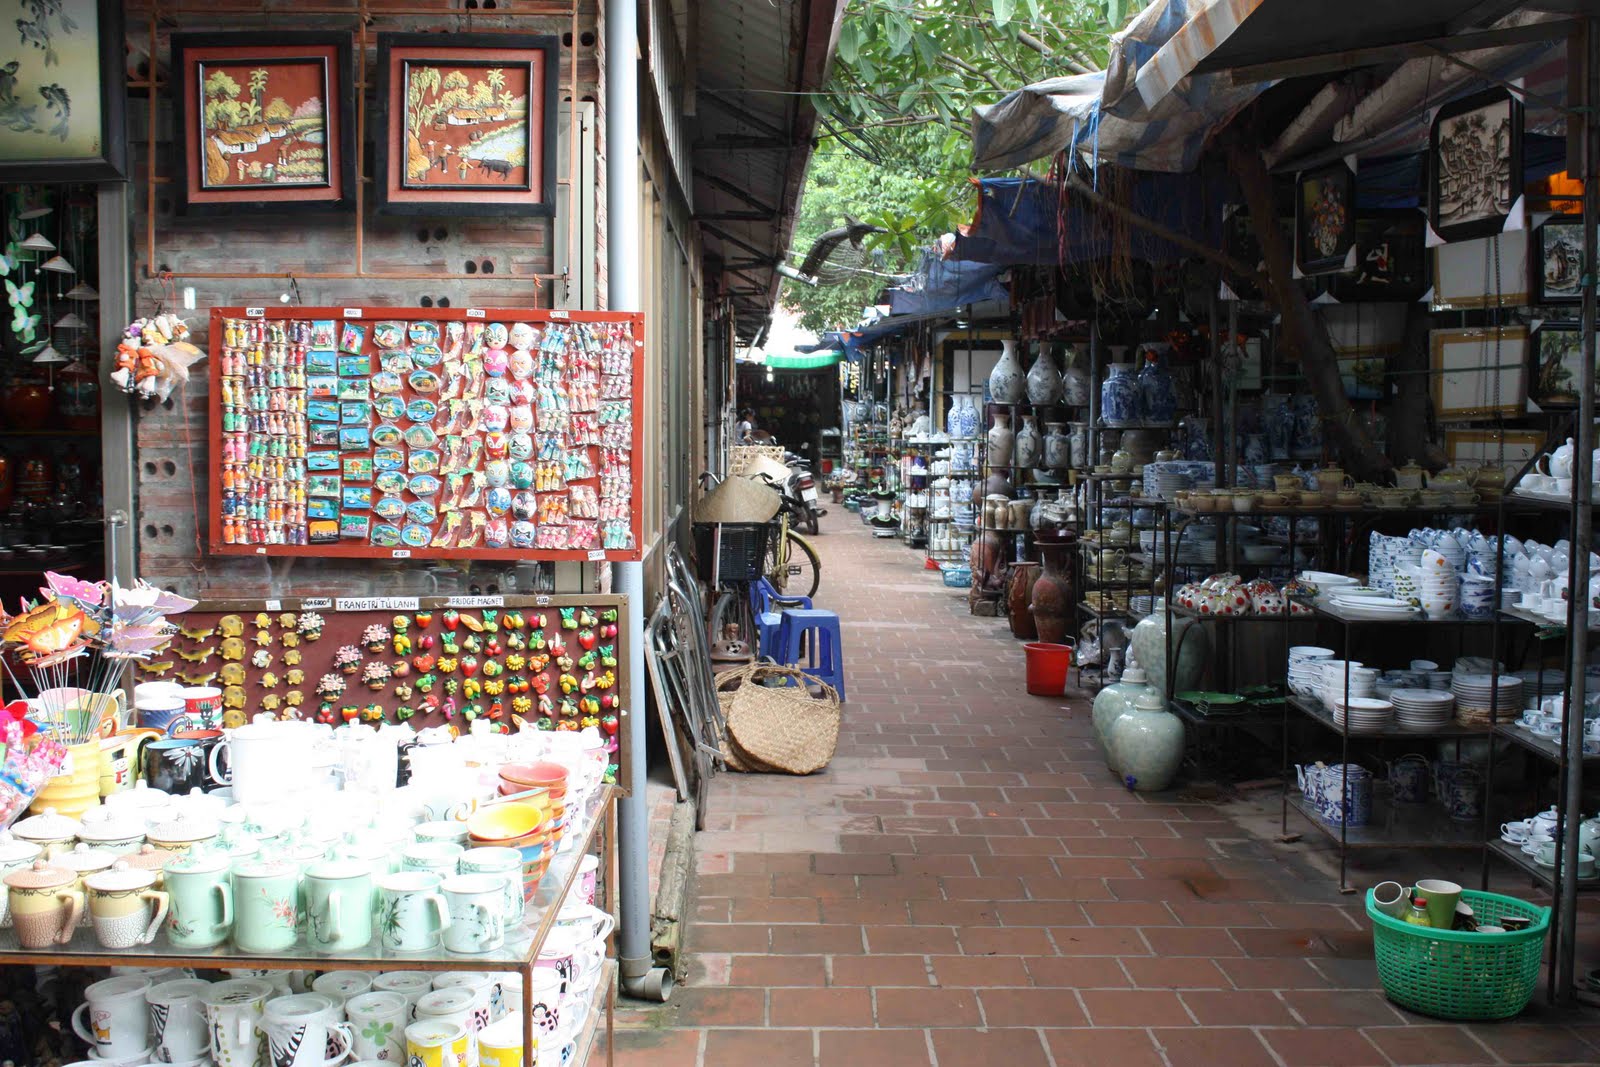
(1019,598)
(27,406)
(1053,594)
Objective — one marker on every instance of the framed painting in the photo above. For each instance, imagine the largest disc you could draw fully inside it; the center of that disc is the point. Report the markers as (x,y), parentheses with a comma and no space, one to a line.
(62,91)
(468,124)
(1556,365)
(1510,449)
(1391,259)
(1484,273)
(1475,165)
(263,122)
(1558,262)
(1240,242)
(1324,219)
(1478,375)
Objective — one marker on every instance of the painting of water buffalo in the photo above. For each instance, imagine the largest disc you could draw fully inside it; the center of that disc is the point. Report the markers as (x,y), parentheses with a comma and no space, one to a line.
(467,123)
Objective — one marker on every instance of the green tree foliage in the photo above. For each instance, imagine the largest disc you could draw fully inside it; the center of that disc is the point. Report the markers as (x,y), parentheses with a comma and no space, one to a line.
(905,80)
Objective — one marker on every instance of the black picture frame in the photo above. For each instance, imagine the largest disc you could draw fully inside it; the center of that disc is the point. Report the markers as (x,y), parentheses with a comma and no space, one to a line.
(1329,191)
(1457,170)
(195,199)
(539,202)
(1239,242)
(1563,238)
(1555,356)
(1392,261)
(111,164)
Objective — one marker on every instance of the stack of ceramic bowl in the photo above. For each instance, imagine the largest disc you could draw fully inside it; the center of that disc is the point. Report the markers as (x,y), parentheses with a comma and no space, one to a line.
(1305,668)
(1163,481)
(1476,697)
(1326,583)
(1339,680)
(1422,710)
(1439,590)
(1363,715)
(522,821)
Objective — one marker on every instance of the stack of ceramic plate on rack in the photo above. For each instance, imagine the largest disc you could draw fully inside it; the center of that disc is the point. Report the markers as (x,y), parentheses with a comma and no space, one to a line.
(1422,710)
(1476,697)
(1305,669)
(1326,583)
(1197,546)
(1163,481)
(1354,605)
(1339,680)
(1363,715)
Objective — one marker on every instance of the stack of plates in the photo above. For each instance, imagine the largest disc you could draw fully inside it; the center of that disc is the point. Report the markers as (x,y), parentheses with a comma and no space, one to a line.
(1370,607)
(1422,710)
(1476,697)
(1305,668)
(1363,715)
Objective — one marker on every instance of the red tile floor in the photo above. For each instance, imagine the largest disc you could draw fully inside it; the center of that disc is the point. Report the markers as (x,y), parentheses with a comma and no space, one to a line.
(967,885)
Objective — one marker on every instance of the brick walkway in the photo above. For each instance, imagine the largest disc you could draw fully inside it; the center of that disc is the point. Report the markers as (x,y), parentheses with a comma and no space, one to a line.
(967,885)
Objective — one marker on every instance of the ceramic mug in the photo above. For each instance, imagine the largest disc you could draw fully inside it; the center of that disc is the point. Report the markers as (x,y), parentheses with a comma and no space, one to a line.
(263,762)
(178,1030)
(234,1010)
(203,705)
(378,1025)
(500,1045)
(587,919)
(1392,899)
(456,1006)
(484,988)
(340,986)
(1442,897)
(436,1043)
(265,905)
(200,911)
(504,862)
(338,905)
(162,712)
(412,913)
(125,915)
(477,905)
(304,1031)
(588,878)
(118,1021)
(46,916)
(570,956)
(175,765)
(412,985)
(440,857)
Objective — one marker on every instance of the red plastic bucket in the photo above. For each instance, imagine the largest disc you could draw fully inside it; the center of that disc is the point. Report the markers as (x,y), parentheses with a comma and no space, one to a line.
(1048,665)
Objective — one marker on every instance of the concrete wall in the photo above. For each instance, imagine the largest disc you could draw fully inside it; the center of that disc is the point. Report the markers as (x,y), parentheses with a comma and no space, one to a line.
(173,453)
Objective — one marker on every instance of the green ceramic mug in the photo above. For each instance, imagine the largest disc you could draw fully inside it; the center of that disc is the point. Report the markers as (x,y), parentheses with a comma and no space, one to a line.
(265,908)
(339,905)
(412,913)
(201,911)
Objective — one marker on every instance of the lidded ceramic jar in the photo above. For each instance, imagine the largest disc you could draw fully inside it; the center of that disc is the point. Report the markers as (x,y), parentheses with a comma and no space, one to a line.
(1112,701)
(50,830)
(45,904)
(177,833)
(111,829)
(15,854)
(1146,744)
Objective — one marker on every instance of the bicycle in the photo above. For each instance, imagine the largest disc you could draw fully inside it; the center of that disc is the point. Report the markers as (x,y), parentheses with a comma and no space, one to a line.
(792,565)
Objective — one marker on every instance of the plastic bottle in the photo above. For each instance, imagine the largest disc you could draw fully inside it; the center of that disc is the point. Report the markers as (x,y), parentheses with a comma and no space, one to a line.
(1418,915)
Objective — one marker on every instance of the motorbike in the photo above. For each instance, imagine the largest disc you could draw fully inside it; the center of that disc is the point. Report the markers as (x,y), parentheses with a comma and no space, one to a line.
(803,486)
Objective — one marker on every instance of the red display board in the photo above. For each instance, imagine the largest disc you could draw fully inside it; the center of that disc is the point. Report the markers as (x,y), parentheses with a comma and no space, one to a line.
(425,433)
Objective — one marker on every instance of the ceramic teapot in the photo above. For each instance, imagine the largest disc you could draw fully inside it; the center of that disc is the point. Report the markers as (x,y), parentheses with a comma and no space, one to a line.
(1410,476)
(1559,462)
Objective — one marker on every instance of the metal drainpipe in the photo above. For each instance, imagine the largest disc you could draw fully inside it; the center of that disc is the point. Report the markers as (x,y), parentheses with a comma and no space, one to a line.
(639,977)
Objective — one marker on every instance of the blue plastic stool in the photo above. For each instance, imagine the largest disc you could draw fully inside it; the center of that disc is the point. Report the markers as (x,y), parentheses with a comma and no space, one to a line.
(808,638)
(768,623)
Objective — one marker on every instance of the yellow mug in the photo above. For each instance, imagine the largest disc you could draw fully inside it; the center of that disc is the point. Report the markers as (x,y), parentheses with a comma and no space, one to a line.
(500,1043)
(436,1043)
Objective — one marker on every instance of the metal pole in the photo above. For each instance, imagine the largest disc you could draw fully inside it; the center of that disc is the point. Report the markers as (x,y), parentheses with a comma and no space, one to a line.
(117,443)
(1582,499)
(625,291)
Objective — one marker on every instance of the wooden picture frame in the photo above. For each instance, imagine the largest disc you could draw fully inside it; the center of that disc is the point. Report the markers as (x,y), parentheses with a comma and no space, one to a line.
(1474,165)
(1483,446)
(451,141)
(1484,273)
(1557,264)
(264,122)
(1555,353)
(1391,259)
(1478,374)
(1324,219)
(69,87)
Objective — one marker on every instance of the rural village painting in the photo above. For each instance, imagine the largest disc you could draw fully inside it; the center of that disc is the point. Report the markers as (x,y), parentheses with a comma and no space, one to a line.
(466,125)
(264,124)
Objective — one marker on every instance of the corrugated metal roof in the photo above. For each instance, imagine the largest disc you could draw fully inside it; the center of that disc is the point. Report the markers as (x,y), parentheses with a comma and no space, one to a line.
(752,136)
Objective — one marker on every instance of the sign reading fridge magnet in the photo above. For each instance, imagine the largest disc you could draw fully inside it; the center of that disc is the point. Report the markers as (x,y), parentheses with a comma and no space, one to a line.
(418,433)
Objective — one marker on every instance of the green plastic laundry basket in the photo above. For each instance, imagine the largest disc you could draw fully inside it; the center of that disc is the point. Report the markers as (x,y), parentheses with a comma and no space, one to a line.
(1452,974)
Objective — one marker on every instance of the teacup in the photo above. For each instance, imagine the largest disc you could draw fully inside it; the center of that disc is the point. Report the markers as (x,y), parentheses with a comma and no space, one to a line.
(1516,832)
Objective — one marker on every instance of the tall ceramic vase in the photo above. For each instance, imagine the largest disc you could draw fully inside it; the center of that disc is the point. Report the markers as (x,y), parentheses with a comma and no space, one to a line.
(1007,384)
(1053,603)
(1001,440)
(1044,380)
(1029,444)
(1018,598)
(1057,447)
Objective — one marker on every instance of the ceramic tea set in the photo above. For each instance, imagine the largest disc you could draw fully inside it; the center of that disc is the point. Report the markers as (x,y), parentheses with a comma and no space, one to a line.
(1538,838)
(1551,476)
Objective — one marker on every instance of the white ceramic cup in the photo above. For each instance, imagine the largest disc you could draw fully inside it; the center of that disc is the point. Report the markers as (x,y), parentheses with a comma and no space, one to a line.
(266,761)
(545,991)
(409,984)
(570,954)
(1391,898)
(588,878)
(178,1029)
(233,1015)
(340,986)
(378,1025)
(118,1023)
(453,1006)
(586,919)
(305,1030)
(477,906)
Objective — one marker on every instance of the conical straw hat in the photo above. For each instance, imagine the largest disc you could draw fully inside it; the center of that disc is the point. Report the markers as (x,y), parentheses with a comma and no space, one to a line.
(737,500)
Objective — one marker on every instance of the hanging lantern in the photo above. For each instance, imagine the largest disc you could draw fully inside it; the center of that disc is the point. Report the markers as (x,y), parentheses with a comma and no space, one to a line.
(71,321)
(37,242)
(84,292)
(59,265)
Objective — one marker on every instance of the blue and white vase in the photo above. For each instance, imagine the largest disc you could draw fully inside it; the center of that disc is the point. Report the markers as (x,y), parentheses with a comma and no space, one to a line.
(1146,744)
(1307,427)
(1029,443)
(1254,452)
(1044,380)
(1119,396)
(1157,397)
(1280,427)
(969,416)
(952,418)
(1007,384)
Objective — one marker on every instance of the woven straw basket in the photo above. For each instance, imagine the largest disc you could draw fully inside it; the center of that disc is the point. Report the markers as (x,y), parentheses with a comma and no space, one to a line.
(777,728)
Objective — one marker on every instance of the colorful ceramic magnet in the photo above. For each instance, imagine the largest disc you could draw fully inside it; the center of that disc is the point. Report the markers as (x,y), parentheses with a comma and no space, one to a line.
(424,485)
(421,436)
(423,332)
(385,535)
(388,459)
(389,407)
(355,366)
(390,481)
(424,461)
(421,410)
(416,536)
(423,381)
(352,337)
(389,507)
(427,355)
(387,382)
(388,334)
(387,434)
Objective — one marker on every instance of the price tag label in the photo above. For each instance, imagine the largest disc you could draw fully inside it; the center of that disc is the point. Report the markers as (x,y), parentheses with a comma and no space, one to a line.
(352,313)
(541,600)
(400,553)
(477,313)
(475,602)
(596,554)
(255,313)
(272,605)
(558,314)
(376,603)
(316,603)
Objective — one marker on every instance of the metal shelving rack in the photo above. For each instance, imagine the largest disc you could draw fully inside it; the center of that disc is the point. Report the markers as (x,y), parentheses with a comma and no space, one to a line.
(940,529)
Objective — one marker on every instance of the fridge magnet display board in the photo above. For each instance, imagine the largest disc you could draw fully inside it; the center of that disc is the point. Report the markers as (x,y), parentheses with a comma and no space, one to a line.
(425,433)
(533,662)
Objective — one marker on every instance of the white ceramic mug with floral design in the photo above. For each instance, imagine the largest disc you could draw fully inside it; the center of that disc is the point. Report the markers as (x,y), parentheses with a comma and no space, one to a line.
(378,1025)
